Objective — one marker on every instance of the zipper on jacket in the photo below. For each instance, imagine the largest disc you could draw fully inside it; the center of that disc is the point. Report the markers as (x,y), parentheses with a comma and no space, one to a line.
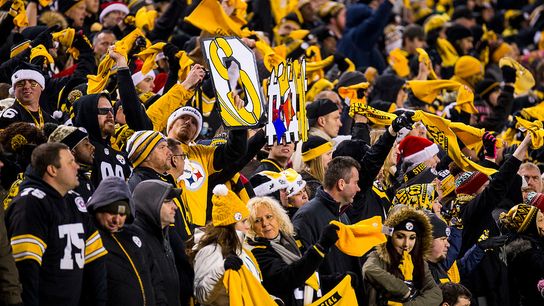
(133,267)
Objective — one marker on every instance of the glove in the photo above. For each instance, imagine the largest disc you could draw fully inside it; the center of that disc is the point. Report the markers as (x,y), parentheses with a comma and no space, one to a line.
(170,50)
(82,43)
(402,121)
(490,148)
(509,151)
(45,38)
(340,61)
(329,236)
(413,291)
(233,262)
(493,242)
(508,74)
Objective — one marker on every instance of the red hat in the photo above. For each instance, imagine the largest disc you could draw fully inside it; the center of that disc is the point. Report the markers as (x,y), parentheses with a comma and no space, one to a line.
(138,76)
(108,7)
(536,199)
(470,182)
(416,150)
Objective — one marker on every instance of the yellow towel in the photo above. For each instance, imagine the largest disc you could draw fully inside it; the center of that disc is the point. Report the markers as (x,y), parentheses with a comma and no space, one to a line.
(524,78)
(359,238)
(210,17)
(375,116)
(427,91)
(244,289)
(535,128)
(447,52)
(271,59)
(40,50)
(145,19)
(341,295)
(398,61)
(439,131)
(148,56)
(534,112)
(98,82)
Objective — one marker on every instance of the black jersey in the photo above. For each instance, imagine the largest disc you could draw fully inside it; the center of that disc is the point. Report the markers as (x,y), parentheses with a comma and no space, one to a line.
(17,113)
(53,239)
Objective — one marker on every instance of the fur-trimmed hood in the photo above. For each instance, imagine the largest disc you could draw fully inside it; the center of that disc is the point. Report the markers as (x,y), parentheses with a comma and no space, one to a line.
(396,217)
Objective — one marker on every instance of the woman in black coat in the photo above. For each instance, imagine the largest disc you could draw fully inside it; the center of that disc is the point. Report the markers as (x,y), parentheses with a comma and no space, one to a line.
(287,274)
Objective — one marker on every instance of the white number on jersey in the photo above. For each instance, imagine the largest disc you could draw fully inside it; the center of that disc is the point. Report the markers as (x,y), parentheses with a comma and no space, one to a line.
(71,232)
(107,170)
(33,191)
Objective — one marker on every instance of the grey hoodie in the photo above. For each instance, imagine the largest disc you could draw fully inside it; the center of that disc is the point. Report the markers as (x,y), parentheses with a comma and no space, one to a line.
(148,198)
(109,190)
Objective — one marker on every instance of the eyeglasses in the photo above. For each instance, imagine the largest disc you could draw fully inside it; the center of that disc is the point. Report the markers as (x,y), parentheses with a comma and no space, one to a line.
(105,110)
(21,84)
(182,155)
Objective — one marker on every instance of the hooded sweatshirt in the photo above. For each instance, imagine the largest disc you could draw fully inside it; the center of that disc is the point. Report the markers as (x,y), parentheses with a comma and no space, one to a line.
(148,198)
(132,279)
(107,161)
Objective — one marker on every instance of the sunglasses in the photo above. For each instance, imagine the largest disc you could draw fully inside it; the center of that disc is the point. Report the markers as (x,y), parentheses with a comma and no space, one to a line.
(105,110)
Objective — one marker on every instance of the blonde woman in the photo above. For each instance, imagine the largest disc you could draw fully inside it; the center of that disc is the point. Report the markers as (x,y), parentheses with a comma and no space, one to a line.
(287,274)
(316,155)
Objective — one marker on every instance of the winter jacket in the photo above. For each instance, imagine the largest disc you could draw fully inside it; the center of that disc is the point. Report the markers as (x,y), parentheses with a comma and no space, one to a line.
(42,225)
(10,288)
(148,200)
(310,220)
(525,256)
(209,272)
(497,119)
(173,99)
(312,184)
(382,282)
(17,113)
(107,161)
(283,280)
(379,282)
(364,27)
(132,279)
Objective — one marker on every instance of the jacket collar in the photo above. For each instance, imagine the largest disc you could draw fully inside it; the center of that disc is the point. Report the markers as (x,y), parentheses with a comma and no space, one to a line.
(326,199)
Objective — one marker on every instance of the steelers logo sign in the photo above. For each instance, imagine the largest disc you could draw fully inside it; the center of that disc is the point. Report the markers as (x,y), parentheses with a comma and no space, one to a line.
(409,226)
(193,175)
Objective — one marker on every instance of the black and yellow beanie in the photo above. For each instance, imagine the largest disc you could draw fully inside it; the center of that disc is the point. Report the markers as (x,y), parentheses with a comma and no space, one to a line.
(519,218)
(315,147)
(141,144)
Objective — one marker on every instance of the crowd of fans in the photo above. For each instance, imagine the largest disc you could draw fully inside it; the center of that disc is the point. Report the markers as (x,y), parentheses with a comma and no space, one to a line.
(121,185)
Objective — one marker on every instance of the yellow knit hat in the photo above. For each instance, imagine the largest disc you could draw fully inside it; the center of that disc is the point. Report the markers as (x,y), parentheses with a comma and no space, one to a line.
(435,22)
(227,207)
(467,66)
(502,50)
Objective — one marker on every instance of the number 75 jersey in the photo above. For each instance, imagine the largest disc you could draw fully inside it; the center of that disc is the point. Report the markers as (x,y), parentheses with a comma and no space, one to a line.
(56,233)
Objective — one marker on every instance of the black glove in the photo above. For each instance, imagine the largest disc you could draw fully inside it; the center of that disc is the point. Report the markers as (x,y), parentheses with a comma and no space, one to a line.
(493,242)
(509,151)
(508,74)
(45,38)
(340,62)
(82,43)
(329,236)
(233,262)
(402,121)
(490,147)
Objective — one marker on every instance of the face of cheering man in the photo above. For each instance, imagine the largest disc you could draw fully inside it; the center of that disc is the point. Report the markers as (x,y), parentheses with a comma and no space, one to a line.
(106,122)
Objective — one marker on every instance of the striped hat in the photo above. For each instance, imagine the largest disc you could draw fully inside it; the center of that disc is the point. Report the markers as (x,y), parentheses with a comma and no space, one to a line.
(519,218)
(141,144)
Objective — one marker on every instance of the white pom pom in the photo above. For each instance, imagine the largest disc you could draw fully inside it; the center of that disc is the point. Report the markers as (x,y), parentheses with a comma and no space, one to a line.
(220,190)
(57,114)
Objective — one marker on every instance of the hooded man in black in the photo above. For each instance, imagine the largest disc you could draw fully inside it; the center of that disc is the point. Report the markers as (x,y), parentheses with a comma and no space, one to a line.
(155,211)
(132,275)
(95,113)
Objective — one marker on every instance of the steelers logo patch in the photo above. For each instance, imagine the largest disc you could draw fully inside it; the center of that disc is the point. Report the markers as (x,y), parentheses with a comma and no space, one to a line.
(409,226)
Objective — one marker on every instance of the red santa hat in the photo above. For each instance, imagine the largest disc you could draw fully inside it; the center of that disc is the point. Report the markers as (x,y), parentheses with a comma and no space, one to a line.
(415,150)
(138,76)
(108,7)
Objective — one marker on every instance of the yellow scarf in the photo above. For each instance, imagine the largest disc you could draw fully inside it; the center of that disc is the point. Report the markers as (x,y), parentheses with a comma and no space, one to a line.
(98,82)
(210,17)
(535,128)
(148,56)
(359,238)
(417,196)
(244,289)
(427,91)
(271,59)
(440,132)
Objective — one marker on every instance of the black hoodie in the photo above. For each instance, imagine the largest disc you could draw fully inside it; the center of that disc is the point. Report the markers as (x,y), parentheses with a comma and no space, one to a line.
(132,275)
(107,161)
(148,198)
(35,220)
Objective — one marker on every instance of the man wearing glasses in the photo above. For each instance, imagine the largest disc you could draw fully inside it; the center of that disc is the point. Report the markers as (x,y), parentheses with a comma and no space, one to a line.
(27,85)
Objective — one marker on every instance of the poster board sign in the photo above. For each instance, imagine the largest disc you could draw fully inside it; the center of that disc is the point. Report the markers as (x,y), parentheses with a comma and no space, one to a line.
(234,71)
(286,95)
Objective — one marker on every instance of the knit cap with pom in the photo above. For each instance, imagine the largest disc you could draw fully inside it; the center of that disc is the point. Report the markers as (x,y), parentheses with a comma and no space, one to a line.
(227,207)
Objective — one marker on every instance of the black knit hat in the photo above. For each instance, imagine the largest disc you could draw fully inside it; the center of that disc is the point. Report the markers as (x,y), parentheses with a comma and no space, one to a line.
(386,88)
(485,87)
(457,32)
(462,12)
(65,5)
(315,146)
(440,228)
(355,148)
(319,108)
(349,78)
